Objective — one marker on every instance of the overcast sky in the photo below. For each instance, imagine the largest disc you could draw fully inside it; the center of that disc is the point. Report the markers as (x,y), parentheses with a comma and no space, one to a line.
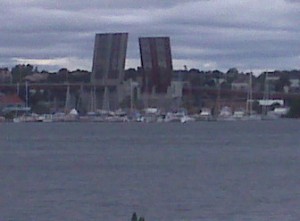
(205,34)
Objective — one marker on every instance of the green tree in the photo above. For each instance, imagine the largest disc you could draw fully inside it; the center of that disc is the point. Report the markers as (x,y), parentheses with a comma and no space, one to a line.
(231,75)
(294,109)
(20,71)
(282,82)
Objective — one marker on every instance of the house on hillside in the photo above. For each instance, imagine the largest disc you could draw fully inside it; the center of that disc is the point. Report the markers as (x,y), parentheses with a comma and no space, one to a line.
(241,83)
(294,85)
(271,79)
(5,75)
(36,78)
(294,80)
(12,103)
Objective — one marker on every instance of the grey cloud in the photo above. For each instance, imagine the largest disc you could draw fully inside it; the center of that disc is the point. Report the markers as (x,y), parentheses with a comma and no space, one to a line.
(108,4)
(293,1)
(245,33)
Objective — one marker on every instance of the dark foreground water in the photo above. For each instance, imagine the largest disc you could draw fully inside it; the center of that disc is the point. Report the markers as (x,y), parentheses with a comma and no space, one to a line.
(208,171)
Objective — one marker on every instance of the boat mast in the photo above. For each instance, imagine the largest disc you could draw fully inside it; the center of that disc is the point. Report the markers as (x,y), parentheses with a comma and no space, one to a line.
(131,96)
(18,88)
(93,99)
(106,101)
(218,105)
(67,99)
(249,103)
(266,95)
(26,93)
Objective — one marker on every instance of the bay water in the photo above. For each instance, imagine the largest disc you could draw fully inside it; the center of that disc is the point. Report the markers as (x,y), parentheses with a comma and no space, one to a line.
(210,171)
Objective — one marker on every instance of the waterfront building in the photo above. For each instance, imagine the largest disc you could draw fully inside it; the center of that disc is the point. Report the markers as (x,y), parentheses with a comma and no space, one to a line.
(156,60)
(108,67)
(12,103)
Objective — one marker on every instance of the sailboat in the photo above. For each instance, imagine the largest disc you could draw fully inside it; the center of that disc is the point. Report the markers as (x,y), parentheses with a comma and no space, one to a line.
(92,115)
(224,113)
(92,102)
(25,115)
(69,114)
(266,115)
(247,113)
(250,114)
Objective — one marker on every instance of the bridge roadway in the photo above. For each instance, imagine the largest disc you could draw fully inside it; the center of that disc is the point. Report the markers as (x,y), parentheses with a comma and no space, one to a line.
(51,86)
(228,93)
(202,91)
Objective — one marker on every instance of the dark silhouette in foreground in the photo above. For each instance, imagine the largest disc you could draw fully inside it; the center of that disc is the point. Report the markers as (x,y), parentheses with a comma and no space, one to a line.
(135,218)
